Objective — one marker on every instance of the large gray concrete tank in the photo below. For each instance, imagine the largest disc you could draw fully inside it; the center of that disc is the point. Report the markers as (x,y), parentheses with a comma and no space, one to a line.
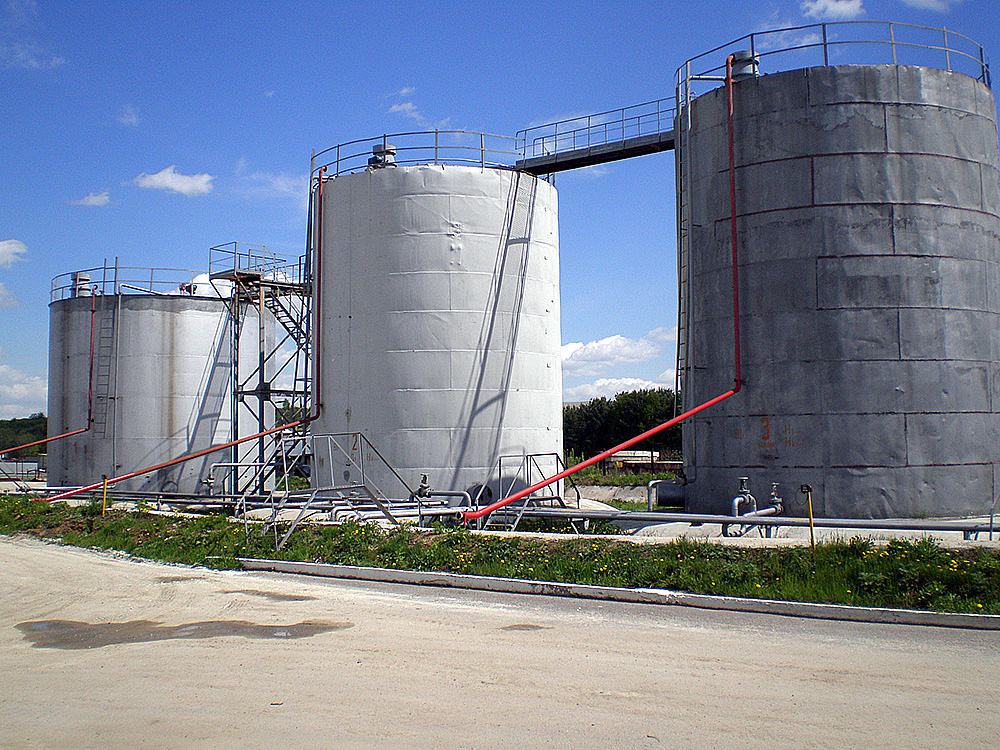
(869,242)
(438,330)
(162,384)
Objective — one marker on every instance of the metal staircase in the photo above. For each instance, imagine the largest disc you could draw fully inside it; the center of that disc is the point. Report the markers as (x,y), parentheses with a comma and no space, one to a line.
(362,500)
(531,469)
(251,277)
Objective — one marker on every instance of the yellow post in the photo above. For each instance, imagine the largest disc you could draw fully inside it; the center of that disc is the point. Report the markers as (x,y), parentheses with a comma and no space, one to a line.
(808,490)
(104,503)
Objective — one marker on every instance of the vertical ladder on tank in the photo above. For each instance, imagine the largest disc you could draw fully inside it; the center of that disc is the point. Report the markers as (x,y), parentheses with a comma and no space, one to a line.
(682,173)
(104,352)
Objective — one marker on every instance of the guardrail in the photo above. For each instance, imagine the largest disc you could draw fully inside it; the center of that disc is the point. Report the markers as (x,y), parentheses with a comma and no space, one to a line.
(234,258)
(115,279)
(587,131)
(843,43)
(419,147)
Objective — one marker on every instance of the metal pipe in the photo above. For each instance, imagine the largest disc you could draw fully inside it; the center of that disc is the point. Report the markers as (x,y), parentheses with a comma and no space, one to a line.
(651,492)
(732,222)
(90,372)
(599,457)
(181,459)
(885,524)
(738,385)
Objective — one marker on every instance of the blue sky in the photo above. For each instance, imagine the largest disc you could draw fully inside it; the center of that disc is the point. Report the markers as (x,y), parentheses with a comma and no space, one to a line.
(153,131)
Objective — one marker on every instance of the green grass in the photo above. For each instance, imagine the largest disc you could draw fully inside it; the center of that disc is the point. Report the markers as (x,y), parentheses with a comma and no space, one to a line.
(624,480)
(919,575)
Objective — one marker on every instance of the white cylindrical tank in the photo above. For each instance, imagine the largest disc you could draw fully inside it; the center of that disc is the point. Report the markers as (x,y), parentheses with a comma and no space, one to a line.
(161,384)
(438,322)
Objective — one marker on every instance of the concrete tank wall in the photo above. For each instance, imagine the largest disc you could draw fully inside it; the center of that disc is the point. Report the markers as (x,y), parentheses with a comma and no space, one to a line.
(162,385)
(869,245)
(439,320)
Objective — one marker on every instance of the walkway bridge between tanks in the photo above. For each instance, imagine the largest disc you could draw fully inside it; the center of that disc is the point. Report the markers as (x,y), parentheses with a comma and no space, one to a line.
(585,141)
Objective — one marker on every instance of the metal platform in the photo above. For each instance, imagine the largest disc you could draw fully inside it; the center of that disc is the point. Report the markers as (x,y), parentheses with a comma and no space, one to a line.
(640,129)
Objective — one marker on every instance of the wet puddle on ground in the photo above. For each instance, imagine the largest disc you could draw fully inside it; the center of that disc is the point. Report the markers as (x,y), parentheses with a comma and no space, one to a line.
(524,626)
(72,634)
(273,596)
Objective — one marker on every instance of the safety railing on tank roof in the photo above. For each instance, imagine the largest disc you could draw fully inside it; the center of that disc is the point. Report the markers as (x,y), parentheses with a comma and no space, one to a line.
(842,43)
(235,258)
(463,147)
(600,129)
(115,279)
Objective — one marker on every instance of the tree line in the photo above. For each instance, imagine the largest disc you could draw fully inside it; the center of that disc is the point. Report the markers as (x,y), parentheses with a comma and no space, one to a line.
(22,430)
(596,425)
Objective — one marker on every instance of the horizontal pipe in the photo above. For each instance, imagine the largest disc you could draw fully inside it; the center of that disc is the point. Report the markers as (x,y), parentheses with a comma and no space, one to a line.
(886,524)
(181,459)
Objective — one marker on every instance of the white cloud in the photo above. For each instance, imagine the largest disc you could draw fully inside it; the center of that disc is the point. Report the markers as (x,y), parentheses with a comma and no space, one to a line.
(19,48)
(20,394)
(781,38)
(7,300)
(11,251)
(833,10)
(271,185)
(170,179)
(409,109)
(27,55)
(938,6)
(268,94)
(663,334)
(93,199)
(21,12)
(127,116)
(609,387)
(596,357)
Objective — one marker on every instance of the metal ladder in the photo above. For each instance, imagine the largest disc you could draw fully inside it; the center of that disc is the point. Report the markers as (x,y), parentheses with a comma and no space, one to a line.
(104,370)
(682,127)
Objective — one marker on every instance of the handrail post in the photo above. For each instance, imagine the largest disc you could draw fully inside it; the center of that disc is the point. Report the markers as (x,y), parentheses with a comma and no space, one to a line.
(892,42)
(826,49)
(482,149)
(947,52)
(435,146)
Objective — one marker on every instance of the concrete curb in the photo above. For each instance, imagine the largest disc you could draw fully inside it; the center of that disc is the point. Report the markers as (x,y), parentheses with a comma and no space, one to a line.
(640,596)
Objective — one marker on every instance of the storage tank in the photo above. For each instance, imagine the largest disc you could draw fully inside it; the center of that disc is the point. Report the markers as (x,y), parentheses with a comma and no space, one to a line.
(438,330)
(869,244)
(160,380)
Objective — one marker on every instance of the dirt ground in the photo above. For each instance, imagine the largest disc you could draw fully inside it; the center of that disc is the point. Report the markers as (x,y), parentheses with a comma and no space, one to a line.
(98,651)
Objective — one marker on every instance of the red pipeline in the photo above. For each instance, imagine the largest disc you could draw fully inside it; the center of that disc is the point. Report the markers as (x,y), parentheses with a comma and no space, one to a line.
(472,515)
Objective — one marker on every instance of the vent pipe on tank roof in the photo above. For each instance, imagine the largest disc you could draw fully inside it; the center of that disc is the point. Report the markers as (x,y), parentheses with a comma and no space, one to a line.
(744,65)
(383,155)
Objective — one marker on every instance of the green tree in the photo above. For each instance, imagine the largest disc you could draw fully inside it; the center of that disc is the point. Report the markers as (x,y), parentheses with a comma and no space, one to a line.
(19,431)
(599,424)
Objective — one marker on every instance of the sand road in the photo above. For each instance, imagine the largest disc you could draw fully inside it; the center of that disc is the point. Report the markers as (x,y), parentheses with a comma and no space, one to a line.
(97,651)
